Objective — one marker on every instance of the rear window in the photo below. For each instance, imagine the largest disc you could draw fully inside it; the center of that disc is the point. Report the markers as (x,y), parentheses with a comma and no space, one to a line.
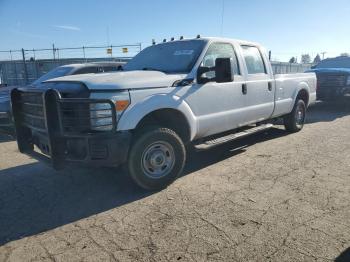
(110,68)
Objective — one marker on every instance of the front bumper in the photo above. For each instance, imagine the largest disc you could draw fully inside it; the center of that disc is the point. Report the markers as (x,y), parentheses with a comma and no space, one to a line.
(44,134)
(332,92)
(91,150)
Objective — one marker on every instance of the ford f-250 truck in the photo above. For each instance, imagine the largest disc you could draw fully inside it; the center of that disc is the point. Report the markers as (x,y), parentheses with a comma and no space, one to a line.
(203,92)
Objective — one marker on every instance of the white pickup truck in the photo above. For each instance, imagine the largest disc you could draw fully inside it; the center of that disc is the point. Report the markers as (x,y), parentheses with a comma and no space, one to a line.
(202,92)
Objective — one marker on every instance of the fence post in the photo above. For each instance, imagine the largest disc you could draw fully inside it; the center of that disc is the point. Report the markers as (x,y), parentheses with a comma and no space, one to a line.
(54,52)
(84,53)
(25,67)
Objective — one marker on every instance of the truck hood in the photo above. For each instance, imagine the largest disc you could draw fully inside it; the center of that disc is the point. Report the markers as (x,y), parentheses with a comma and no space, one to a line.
(330,70)
(123,80)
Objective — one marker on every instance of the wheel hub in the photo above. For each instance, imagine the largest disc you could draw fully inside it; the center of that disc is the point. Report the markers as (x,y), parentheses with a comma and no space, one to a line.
(300,115)
(158,159)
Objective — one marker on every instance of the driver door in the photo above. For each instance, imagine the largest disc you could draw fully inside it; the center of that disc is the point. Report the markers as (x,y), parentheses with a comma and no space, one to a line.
(217,106)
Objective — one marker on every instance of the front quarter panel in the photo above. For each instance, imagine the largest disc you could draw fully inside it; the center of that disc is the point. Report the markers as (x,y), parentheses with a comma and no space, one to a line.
(144,102)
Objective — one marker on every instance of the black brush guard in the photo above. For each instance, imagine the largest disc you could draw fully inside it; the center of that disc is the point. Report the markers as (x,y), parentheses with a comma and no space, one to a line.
(63,129)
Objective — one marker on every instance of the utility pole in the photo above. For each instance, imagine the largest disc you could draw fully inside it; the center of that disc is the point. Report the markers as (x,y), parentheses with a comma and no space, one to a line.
(323,53)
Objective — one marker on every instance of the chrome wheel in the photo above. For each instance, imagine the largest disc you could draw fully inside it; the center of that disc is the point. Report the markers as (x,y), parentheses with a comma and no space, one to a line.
(300,115)
(158,159)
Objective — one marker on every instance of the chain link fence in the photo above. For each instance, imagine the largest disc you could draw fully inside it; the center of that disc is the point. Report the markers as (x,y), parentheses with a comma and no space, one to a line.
(21,67)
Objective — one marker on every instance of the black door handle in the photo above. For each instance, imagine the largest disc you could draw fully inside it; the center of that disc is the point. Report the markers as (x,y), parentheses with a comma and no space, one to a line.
(244,89)
(269,86)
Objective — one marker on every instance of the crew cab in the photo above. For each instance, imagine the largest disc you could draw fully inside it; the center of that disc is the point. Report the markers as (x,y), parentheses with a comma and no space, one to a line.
(200,92)
(333,78)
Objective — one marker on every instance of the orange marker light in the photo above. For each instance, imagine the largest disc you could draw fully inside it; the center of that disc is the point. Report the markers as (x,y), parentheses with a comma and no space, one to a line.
(121,105)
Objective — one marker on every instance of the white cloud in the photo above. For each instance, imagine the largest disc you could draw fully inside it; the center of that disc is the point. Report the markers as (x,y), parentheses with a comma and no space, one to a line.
(67,27)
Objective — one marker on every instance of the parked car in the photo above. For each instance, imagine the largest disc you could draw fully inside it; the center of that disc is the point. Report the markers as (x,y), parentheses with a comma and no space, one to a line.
(6,124)
(333,78)
(204,92)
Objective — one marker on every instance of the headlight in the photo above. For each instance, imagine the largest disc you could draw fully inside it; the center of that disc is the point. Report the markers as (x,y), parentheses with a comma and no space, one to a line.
(101,114)
(348,81)
(101,117)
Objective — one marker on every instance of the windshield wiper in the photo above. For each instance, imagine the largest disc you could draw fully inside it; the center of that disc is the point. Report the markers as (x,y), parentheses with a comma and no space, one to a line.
(152,69)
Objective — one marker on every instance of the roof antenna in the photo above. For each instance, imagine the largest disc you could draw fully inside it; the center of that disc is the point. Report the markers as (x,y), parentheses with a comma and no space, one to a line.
(198,36)
(222,17)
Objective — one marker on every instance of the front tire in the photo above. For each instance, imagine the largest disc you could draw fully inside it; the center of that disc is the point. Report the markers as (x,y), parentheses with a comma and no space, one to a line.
(156,158)
(294,121)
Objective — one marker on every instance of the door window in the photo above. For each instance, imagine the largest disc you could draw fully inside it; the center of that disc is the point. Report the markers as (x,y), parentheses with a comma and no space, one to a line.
(220,50)
(253,59)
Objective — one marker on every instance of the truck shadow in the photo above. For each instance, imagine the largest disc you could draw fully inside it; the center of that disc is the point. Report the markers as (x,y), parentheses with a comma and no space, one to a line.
(5,138)
(344,256)
(328,111)
(34,198)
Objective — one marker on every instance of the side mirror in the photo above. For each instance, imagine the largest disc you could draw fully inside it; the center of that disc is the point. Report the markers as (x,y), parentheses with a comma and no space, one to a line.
(202,70)
(223,72)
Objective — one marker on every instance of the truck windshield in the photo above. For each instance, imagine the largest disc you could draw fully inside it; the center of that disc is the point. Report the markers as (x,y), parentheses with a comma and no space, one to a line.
(57,72)
(171,57)
(341,62)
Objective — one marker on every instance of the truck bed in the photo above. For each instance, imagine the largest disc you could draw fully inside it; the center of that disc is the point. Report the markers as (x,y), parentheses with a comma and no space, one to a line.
(286,90)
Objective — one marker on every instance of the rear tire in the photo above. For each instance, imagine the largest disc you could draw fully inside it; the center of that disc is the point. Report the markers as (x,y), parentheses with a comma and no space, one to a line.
(294,121)
(156,158)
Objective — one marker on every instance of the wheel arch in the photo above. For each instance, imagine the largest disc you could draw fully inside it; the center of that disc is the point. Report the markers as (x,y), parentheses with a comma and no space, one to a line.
(302,92)
(171,112)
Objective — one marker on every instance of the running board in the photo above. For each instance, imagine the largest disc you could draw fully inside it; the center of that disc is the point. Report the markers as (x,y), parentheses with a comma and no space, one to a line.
(222,140)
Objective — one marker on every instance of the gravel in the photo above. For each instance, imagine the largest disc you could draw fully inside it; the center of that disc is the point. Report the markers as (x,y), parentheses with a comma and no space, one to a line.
(270,197)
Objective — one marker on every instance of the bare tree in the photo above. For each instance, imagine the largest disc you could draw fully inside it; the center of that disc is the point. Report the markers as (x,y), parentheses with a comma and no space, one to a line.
(292,60)
(305,59)
(317,59)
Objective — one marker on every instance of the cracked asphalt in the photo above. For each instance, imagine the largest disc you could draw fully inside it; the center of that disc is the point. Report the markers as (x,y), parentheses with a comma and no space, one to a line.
(272,197)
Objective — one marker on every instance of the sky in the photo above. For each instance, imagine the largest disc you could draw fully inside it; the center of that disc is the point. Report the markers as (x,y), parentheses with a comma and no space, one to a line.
(286,27)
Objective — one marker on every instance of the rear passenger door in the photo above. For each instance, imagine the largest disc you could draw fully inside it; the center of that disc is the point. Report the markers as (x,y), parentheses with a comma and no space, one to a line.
(259,89)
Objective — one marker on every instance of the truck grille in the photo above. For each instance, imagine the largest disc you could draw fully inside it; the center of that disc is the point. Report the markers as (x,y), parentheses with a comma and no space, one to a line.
(31,108)
(67,115)
(331,80)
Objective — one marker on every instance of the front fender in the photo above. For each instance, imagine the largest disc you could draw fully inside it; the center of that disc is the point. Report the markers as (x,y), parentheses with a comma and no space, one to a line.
(136,112)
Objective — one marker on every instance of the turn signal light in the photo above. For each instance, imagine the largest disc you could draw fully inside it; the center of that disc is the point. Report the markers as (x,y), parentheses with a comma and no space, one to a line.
(121,105)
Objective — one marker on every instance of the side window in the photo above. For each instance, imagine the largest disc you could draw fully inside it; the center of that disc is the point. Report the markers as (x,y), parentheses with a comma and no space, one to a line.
(253,60)
(220,50)
(86,70)
(110,69)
